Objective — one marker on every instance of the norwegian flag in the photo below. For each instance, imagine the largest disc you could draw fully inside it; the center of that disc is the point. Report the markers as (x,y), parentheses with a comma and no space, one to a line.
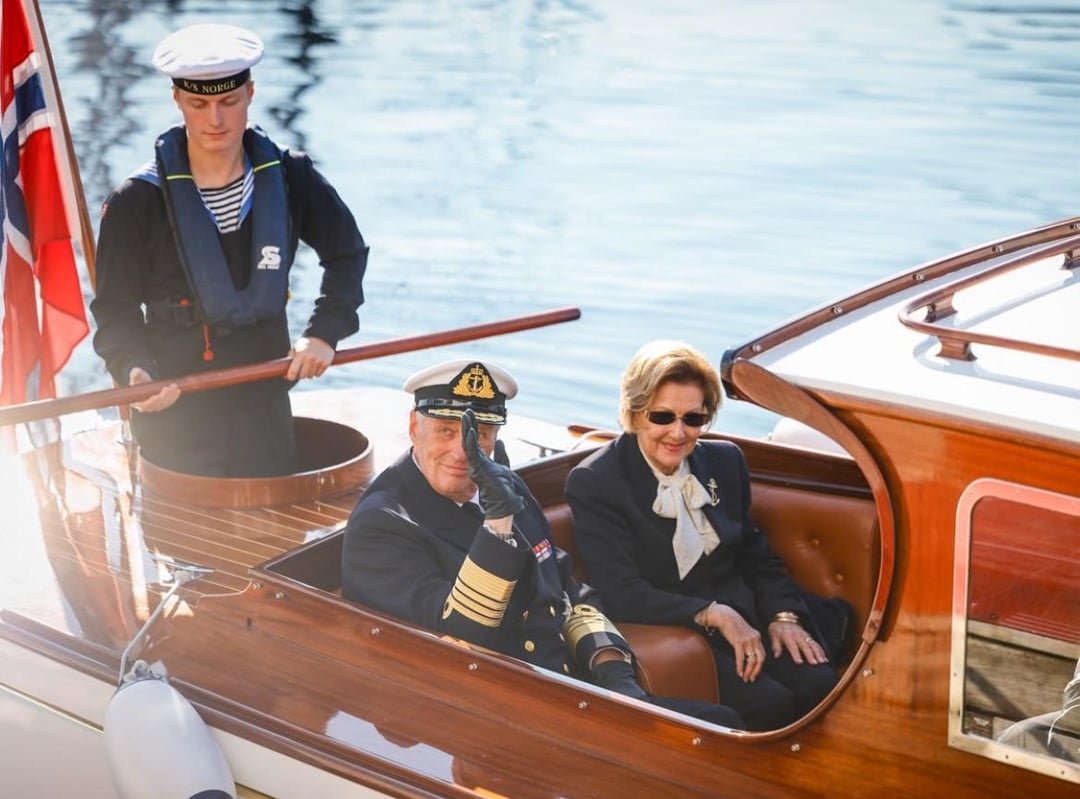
(42,317)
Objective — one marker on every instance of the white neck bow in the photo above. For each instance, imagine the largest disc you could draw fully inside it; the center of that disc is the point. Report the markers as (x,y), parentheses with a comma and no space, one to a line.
(681,496)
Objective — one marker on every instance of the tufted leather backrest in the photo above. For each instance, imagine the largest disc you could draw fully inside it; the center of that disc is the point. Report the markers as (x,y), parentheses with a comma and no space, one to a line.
(829,542)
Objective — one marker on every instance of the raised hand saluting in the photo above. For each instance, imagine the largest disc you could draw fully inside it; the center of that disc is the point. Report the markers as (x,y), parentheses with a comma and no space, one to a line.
(498,497)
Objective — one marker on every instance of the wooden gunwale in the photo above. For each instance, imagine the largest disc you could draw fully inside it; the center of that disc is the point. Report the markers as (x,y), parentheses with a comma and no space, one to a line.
(84,656)
(301,636)
(788,400)
(930,270)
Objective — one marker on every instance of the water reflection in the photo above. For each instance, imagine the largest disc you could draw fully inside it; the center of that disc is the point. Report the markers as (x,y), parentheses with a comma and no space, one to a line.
(699,171)
(309,35)
(109,112)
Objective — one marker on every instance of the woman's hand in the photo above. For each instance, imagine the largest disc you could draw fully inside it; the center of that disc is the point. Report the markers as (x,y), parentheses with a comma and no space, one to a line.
(744,639)
(795,639)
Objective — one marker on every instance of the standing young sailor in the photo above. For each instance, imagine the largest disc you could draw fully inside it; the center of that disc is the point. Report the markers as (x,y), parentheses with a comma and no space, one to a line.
(194,252)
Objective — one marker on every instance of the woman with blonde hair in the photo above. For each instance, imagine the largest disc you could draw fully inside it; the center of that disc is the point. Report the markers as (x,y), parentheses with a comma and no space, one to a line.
(662,520)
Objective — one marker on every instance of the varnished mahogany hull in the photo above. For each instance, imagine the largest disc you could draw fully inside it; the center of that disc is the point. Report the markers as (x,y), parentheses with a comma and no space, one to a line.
(314,677)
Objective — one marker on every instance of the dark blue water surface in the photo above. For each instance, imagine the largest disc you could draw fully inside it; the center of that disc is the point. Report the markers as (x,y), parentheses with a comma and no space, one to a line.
(690,169)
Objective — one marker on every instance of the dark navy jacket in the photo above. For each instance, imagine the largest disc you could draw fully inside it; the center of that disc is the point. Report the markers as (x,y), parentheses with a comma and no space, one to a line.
(413,553)
(627,551)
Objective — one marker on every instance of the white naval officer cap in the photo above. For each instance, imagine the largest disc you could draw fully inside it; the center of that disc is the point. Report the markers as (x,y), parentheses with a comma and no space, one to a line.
(209,58)
(447,389)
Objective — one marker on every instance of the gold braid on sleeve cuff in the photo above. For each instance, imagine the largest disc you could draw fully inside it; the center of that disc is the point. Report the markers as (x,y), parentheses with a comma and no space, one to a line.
(587,630)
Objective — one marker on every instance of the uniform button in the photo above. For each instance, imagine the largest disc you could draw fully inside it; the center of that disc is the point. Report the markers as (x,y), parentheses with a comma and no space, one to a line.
(566,667)
(552,609)
(562,637)
(525,616)
(529,646)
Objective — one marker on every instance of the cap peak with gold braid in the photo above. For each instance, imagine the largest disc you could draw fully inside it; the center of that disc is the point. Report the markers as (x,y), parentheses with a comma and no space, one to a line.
(447,389)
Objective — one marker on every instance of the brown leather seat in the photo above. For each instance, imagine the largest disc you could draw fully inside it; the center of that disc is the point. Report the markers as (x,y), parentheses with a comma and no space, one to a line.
(829,542)
(672,661)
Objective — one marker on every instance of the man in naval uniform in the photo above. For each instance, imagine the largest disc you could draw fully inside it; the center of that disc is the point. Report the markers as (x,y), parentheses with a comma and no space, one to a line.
(454,541)
(193,260)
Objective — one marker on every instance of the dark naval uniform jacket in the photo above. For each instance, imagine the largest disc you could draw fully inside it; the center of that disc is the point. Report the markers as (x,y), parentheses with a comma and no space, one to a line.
(144,316)
(413,553)
(627,547)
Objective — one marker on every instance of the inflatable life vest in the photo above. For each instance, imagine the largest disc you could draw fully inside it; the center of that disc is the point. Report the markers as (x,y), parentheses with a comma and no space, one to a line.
(195,231)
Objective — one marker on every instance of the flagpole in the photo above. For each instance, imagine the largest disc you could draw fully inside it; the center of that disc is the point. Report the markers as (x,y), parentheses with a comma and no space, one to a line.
(69,166)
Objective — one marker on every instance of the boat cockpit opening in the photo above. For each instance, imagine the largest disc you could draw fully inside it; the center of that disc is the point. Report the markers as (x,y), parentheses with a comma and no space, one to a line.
(814,505)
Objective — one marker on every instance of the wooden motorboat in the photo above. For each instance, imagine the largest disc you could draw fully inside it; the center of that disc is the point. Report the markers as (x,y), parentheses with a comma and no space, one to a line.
(950,521)
(939,495)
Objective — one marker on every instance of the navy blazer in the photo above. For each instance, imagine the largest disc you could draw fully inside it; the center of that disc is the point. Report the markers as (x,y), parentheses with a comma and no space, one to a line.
(413,553)
(627,550)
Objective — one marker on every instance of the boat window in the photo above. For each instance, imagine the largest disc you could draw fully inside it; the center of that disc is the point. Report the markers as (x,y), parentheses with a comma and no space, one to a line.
(1015,680)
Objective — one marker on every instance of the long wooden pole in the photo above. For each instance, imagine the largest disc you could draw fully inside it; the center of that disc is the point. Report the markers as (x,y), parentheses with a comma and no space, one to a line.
(219,378)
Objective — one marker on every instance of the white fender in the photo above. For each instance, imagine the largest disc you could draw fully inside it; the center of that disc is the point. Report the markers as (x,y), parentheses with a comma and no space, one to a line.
(158,746)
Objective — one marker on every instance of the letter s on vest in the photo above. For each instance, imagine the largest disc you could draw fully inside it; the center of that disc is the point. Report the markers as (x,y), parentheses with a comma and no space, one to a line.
(271,258)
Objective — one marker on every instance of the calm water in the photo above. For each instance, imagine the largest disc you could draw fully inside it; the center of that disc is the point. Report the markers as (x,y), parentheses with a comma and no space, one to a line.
(694,169)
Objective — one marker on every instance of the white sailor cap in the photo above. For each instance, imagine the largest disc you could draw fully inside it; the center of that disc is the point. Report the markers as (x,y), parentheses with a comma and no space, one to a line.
(447,389)
(209,58)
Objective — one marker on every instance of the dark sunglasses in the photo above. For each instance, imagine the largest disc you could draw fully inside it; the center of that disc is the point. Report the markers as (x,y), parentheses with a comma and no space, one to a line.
(664,418)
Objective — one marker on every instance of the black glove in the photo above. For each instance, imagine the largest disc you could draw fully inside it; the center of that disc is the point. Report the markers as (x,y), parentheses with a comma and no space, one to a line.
(706,711)
(619,676)
(498,498)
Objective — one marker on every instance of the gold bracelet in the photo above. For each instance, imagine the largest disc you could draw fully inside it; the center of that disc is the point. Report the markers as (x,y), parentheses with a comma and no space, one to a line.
(705,613)
(788,616)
